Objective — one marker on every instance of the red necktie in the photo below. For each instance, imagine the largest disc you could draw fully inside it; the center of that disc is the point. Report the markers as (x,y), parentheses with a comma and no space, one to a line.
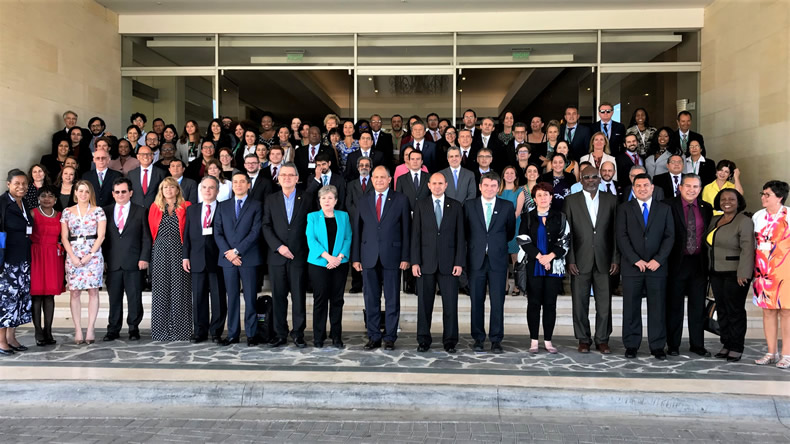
(145,182)
(635,158)
(364,183)
(378,207)
(312,153)
(207,219)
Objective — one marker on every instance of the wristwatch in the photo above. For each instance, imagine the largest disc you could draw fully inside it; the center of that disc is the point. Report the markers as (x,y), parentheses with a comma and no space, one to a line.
(236,252)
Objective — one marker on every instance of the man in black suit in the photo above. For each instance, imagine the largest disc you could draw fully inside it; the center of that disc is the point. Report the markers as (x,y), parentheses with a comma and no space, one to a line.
(145,179)
(127,251)
(382,142)
(420,143)
(468,152)
(355,191)
(380,250)
(272,171)
(324,176)
(414,184)
(102,178)
(438,254)
(684,135)
(260,185)
(489,223)
(189,188)
(98,129)
(304,158)
(577,136)
(670,182)
(201,256)
(688,267)
(484,159)
(469,120)
(645,233)
(491,142)
(614,131)
(70,121)
(627,191)
(627,159)
(284,228)
(365,150)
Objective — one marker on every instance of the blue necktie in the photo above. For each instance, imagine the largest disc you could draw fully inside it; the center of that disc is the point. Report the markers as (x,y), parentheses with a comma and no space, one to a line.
(437,209)
(238,208)
(645,212)
(455,178)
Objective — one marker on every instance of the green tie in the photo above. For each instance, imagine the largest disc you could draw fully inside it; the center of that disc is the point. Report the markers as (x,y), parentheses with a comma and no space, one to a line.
(685,142)
(488,215)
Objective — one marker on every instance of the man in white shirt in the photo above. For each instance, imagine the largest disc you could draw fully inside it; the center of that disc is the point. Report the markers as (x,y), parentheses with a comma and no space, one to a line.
(145,178)
(433,127)
(470,120)
(189,188)
(607,178)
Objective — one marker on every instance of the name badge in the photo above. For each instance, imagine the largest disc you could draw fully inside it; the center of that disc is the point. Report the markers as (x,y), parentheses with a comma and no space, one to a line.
(208,231)
(765,246)
(29,230)
(311,165)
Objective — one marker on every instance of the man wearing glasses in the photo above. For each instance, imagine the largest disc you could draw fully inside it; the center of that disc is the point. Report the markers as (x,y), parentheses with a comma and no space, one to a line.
(484,159)
(614,131)
(102,177)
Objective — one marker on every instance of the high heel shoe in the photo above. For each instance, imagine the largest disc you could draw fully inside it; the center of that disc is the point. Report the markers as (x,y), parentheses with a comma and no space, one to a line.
(78,340)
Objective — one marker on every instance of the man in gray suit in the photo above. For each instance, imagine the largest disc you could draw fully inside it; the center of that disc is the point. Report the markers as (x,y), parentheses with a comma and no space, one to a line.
(592,258)
(145,179)
(460,181)
(188,186)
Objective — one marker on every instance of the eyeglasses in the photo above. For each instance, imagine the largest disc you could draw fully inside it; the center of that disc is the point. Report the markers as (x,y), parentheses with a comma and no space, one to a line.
(120,191)
(286,175)
(144,155)
(591,176)
(484,156)
(523,152)
(605,111)
(763,194)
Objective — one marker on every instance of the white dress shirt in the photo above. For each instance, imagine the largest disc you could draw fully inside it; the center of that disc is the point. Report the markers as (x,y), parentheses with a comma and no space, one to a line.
(592,205)
(142,175)
(213,206)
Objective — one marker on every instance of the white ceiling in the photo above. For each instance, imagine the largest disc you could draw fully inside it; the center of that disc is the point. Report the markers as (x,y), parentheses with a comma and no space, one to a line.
(383,6)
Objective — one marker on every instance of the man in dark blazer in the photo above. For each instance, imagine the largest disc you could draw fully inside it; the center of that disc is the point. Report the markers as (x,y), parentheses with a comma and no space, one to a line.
(145,179)
(626,159)
(578,136)
(284,228)
(467,150)
(380,250)
(460,181)
(592,258)
(420,143)
(614,131)
(684,135)
(304,158)
(382,142)
(406,184)
(669,182)
(645,233)
(272,170)
(688,267)
(102,178)
(365,150)
(490,141)
(438,254)
(260,186)
(627,191)
(324,176)
(127,251)
(484,159)
(237,228)
(189,188)
(489,223)
(201,256)
(355,191)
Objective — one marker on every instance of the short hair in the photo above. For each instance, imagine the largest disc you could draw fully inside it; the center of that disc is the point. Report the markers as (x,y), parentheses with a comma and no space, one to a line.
(418,122)
(685,176)
(178,161)
(738,195)
(643,176)
(486,150)
(205,141)
(360,159)
(431,114)
(583,163)
(779,188)
(453,148)
(684,113)
(323,157)
(134,127)
(106,140)
(519,125)
(237,173)
(637,168)
(277,148)
(605,104)
(415,152)
(470,110)
(386,170)
(630,135)
(491,176)
(726,163)
(70,112)
(396,115)
(171,144)
(464,130)
(327,189)
(48,188)
(522,145)
(205,178)
(136,115)
(331,117)
(542,186)
(94,119)
(267,114)
(251,156)
(673,155)
(121,181)
(556,154)
(493,122)
(158,119)
(571,106)
(292,166)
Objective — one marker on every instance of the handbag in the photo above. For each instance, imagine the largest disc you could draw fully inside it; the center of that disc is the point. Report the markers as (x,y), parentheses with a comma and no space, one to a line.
(711,323)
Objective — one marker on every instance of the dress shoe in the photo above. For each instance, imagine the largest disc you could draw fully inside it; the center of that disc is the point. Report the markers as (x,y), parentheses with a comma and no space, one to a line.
(733,356)
(659,354)
(496,348)
(318,344)
(196,339)
(354,290)
(389,345)
(464,290)
(216,339)
(278,342)
(51,341)
(299,342)
(672,351)
(252,342)
(110,337)
(41,343)
(603,347)
(450,349)
(338,344)
(134,335)
(630,353)
(4,352)
(584,347)
(701,351)
(18,348)
(478,347)
(372,344)
(722,353)
(229,341)
(422,348)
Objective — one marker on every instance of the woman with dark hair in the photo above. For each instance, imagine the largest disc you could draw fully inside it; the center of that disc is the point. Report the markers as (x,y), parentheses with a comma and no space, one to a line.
(510,190)
(226,160)
(80,148)
(506,135)
(730,240)
(134,136)
(197,168)
(522,162)
(188,146)
(296,137)
(725,170)
(248,144)
(46,263)
(333,136)
(348,144)
(170,134)
(54,162)
(65,186)
(659,151)
(216,134)
(123,158)
(238,137)
(571,166)
(225,191)
(17,222)
(536,138)
(640,127)
(449,140)
(38,176)
(695,162)
(772,268)
(560,180)
(284,140)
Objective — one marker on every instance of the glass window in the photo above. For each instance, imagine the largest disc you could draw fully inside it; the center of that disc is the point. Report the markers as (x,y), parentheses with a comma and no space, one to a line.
(502,48)
(168,51)
(175,99)
(649,46)
(277,50)
(408,49)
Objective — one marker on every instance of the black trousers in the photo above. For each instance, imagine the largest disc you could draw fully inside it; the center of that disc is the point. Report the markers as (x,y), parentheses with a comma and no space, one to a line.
(208,286)
(633,288)
(730,309)
(328,288)
(426,296)
(542,292)
(45,304)
(377,280)
(131,282)
(690,280)
(580,291)
(356,279)
(496,289)
(289,278)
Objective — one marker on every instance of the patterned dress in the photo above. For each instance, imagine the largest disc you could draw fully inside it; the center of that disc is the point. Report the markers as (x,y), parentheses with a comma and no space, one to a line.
(771,267)
(90,274)
(343,151)
(171,292)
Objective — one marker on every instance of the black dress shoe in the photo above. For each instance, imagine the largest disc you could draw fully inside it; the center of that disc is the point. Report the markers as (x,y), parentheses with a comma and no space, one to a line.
(450,349)
(389,345)
(252,342)
(41,343)
(134,335)
(299,342)
(18,348)
(422,348)
(659,354)
(734,356)
(478,347)
(4,352)
(228,341)
(354,290)
(51,341)
(496,347)
(371,344)
(196,339)
(701,351)
(110,337)
(277,342)
(672,351)
(318,344)
(630,353)
(722,353)
(216,339)
(338,344)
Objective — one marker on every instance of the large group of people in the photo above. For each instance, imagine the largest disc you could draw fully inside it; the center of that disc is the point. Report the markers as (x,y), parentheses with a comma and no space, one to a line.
(201,217)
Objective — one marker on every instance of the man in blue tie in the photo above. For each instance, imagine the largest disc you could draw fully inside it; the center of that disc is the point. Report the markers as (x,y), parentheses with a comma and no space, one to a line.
(645,236)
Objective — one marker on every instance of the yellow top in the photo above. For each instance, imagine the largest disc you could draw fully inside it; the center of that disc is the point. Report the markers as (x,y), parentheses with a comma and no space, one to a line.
(711,190)
(710,236)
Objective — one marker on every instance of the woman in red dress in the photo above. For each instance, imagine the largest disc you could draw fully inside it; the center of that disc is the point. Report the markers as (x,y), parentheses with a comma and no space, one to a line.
(47,263)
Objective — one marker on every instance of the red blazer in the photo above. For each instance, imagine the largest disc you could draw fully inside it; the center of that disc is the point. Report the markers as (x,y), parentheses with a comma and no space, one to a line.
(155,216)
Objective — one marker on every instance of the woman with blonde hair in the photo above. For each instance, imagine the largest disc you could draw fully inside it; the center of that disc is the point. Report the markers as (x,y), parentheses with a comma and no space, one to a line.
(599,153)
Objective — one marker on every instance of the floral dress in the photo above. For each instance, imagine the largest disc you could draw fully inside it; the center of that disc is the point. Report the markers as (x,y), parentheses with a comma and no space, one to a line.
(771,267)
(80,229)
(343,151)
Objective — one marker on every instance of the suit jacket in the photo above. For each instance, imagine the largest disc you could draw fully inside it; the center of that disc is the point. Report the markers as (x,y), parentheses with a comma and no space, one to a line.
(145,199)
(202,251)
(376,158)
(278,231)
(17,247)
(557,236)
(616,137)
(406,186)
(431,250)
(637,241)
(428,150)
(707,171)
(384,145)
(665,182)
(471,159)
(104,192)
(336,181)
(241,233)
(733,246)
(676,203)
(624,162)
(354,195)
(467,188)
(122,251)
(674,141)
(625,193)
(592,241)
(262,187)
(266,172)
(302,160)
(386,240)
(496,237)
(580,144)
(189,188)
(317,241)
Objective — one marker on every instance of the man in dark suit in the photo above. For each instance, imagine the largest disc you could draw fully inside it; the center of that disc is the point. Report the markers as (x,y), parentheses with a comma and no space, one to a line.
(490,141)
(260,186)
(438,254)
(577,136)
(355,191)
(469,120)
(304,158)
(645,233)
(201,256)
(468,151)
(189,188)
(420,143)
(484,159)
(627,159)
(271,172)
(381,142)
(237,228)
(145,179)
(489,223)
(688,267)
(380,250)
(669,182)
(461,184)
(70,121)
(365,150)
(102,178)
(324,176)
(284,228)
(684,135)
(627,191)
(414,184)
(614,131)
(592,259)
(126,250)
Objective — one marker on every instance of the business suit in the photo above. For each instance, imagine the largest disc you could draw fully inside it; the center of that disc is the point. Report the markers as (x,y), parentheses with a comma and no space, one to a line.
(122,252)
(156,176)
(104,192)
(376,159)
(266,173)
(636,242)
(675,141)
(287,275)
(380,245)
(594,241)
(688,277)
(189,188)
(241,233)
(470,162)
(354,195)
(626,193)
(305,163)
(406,186)
(337,181)
(615,133)
(623,164)
(498,154)
(428,150)
(705,169)
(437,248)
(666,182)
(208,283)
(465,189)
(487,261)
(580,140)
(262,187)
